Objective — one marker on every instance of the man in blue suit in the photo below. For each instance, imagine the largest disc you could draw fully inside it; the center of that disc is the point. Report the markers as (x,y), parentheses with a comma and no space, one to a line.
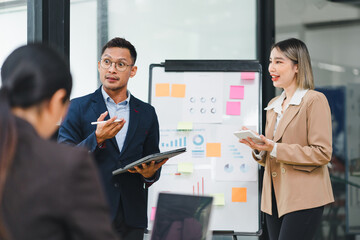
(116,144)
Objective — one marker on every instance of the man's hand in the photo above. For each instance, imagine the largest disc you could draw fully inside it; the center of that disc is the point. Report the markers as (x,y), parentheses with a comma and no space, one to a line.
(108,129)
(148,170)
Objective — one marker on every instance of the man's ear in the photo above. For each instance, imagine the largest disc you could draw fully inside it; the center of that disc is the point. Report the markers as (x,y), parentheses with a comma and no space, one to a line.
(133,71)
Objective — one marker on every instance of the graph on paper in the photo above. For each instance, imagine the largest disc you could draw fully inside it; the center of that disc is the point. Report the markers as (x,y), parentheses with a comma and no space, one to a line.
(180,142)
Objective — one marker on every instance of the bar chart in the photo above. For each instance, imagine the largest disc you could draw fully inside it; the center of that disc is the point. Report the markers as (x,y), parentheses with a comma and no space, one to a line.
(180,142)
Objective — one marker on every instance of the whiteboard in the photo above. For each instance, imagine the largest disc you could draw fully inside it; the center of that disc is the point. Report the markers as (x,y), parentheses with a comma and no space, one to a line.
(199,105)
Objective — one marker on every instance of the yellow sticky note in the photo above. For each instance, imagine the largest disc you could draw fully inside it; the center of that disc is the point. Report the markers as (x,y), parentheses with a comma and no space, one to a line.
(213,149)
(178,90)
(219,199)
(185,126)
(185,167)
(238,195)
(162,89)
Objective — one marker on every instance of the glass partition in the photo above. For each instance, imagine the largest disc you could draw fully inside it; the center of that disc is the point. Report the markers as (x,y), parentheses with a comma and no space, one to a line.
(13,27)
(332,34)
(161,30)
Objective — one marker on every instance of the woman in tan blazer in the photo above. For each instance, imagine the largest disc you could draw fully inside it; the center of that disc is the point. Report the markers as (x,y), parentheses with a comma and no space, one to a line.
(47,191)
(297,147)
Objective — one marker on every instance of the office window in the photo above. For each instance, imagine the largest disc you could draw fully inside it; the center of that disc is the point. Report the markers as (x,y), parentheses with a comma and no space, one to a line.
(83,46)
(332,34)
(186,29)
(13,27)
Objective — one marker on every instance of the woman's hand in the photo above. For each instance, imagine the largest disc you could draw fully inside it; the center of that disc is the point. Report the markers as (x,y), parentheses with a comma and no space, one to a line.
(267,146)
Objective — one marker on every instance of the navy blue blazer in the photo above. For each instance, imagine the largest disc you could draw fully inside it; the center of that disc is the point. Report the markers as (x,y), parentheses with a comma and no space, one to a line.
(142,139)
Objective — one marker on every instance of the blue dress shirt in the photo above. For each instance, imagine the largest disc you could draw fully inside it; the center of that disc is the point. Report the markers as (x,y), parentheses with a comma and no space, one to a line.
(120,110)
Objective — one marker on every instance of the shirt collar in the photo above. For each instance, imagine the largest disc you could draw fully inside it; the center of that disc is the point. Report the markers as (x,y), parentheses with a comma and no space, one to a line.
(295,100)
(107,98)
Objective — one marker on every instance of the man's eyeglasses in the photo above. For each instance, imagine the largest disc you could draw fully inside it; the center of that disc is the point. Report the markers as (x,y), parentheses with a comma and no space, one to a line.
(120,66)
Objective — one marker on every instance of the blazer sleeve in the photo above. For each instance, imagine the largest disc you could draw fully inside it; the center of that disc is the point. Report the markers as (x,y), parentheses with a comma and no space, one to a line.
(70,131)
(319,133)
(262,160)
(151,145)
(88,214)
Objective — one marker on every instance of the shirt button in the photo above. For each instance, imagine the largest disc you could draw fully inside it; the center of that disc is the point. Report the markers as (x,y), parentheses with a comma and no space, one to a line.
(116,185)
(274,174)
(283,170)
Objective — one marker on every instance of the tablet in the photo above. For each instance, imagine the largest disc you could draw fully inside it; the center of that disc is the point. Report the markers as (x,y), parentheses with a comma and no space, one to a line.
(244,134)
(157,157)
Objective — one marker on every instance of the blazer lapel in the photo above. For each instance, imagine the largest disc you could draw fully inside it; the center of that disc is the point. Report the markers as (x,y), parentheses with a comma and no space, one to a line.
(289,114)
(133,122)
(99,107)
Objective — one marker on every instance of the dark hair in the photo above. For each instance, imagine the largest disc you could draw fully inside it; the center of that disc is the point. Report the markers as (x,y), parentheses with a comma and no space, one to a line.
(30,75)
(121,43)
(297,52)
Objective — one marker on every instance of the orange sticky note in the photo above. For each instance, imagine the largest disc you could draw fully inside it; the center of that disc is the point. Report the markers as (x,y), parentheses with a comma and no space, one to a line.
(162,90)
(238,195)
(178,90)
(213,149)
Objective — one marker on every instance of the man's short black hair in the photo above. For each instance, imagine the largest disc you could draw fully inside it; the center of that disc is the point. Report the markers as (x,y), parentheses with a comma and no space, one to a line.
(121,43)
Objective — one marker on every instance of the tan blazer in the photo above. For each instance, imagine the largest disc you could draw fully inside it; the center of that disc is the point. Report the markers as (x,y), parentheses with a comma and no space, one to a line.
(304,145)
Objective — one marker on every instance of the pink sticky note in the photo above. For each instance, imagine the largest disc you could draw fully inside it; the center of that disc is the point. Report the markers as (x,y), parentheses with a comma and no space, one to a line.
(247,76)
(153,211)
(236,92)
(233,108)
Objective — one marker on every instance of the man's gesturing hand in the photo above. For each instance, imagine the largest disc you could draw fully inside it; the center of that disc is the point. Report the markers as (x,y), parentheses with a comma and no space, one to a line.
(108,129)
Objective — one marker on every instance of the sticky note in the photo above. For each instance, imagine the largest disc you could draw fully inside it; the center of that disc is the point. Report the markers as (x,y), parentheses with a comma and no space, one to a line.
(213,149)
(185,167)
(219,199)
(238,195)
(233,108)
(153,212)
(178,90)
(247,76)
(185,126)
(236,92)
(162,90)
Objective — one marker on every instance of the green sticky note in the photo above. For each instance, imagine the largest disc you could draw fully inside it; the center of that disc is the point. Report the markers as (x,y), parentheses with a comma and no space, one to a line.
(185,167)
(219,199)
(185,126)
